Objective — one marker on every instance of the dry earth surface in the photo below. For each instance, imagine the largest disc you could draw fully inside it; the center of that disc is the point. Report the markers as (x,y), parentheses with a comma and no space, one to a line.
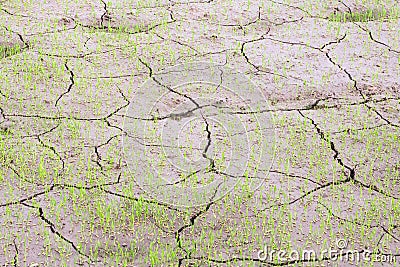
(90,107)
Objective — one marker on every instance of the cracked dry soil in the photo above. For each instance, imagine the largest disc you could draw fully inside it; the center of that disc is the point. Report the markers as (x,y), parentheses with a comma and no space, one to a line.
(70,69)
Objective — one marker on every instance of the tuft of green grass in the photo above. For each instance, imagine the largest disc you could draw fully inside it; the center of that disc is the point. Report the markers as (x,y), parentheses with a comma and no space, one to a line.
(360,16)
(7,51)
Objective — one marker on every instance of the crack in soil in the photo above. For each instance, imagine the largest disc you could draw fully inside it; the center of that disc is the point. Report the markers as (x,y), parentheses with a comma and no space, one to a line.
(361,224)
(54,230)
(192,222)
(15,259)
(71,78)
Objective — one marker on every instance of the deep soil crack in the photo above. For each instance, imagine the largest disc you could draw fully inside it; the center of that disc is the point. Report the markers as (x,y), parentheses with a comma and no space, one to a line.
(72,82)
(54,230)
